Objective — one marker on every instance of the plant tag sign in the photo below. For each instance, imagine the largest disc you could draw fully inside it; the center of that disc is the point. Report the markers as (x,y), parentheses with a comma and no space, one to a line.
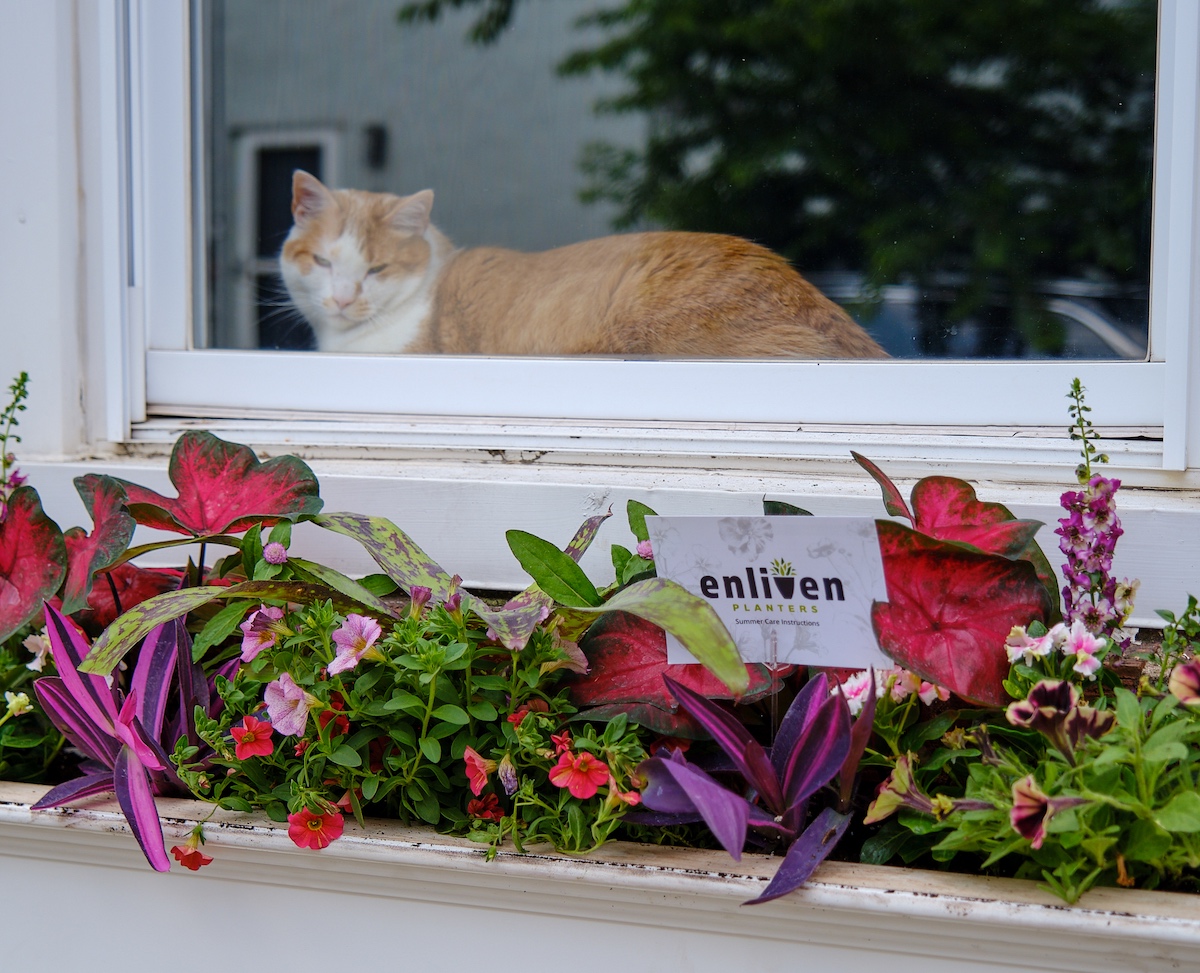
(791,590)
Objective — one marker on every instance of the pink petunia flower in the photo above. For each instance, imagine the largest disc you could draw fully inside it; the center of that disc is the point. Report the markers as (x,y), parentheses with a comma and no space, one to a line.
(478,770)
(645,551)
(259,631)
(615,794)
(315,831)
(581,774)
(287,705)
(855,689)
(355,641)
(252,738)
(930,691)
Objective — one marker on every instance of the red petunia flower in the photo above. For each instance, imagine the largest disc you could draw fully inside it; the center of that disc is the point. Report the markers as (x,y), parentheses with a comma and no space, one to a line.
(252,738)
(190,858)
(477,770)
(581,774)
(486,808)
(561,741)
(189,854)
(315,831)
(533,706)
(341,723)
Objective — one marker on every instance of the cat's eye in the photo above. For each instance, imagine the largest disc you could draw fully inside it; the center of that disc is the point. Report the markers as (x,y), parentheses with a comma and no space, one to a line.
(377,268)
(320,261)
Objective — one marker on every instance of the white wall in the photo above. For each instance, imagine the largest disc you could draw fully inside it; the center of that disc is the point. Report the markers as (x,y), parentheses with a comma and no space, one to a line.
(41,318)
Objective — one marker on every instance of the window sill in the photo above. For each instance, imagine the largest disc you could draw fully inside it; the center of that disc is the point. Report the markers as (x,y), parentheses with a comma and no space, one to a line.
(434,897)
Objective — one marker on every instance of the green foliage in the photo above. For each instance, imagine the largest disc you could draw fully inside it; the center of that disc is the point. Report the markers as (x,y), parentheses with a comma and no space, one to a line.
(388,737)
(1138,815)
(30,746)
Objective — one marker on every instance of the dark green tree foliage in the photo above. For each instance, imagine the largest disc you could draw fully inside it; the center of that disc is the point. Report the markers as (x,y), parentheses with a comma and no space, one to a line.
(988,144)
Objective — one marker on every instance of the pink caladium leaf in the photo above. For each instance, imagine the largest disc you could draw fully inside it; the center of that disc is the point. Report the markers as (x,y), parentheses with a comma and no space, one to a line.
(112,530)
(628,659)
(949,610)
(33,559)
(223,488)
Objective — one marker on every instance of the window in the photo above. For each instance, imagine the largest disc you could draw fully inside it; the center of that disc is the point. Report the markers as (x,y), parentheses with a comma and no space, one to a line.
(792,408)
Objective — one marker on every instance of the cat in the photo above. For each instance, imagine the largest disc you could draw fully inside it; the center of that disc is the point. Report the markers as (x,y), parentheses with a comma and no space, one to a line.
(371,273)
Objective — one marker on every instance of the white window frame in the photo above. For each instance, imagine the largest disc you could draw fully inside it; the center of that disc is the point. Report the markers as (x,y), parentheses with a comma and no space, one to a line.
(1153,397)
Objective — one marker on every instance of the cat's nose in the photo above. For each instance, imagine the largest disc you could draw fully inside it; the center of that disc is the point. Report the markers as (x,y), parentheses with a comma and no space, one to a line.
(344,296)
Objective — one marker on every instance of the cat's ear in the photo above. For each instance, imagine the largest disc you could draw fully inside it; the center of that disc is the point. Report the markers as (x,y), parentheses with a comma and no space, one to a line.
(309,197)
(411,214)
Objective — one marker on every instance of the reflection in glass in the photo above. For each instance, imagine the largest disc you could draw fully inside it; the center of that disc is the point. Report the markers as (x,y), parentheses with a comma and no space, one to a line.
(968,180)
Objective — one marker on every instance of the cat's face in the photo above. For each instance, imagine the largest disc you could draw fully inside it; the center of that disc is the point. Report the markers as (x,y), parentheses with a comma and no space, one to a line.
(353,257)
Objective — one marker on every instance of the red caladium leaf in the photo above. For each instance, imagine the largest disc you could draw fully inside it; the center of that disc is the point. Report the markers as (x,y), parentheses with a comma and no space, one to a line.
(628,659)
(33,560)
(893,500)
(947,508)
(223,488)
(949,610)
(112,530)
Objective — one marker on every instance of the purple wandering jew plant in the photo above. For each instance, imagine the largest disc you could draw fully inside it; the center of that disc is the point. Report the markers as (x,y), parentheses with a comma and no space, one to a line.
(816,741)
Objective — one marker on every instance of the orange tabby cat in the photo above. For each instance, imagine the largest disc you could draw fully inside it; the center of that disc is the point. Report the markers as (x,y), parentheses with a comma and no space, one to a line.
(372,274)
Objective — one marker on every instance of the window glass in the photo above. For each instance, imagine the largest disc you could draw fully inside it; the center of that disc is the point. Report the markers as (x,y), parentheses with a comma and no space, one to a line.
(965,180)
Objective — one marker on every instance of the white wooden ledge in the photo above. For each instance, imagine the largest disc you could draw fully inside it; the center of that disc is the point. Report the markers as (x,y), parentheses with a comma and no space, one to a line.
(78,894)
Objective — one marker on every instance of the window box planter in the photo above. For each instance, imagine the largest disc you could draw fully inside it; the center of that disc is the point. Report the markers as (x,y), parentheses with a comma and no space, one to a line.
(79,891)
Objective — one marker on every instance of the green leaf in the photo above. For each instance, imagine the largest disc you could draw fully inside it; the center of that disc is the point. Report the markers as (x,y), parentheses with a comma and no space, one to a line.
(403,700)
(777,508)
(345,756)
(393,550)
(379,584)
(1129,710)
(219,627)
(339,582)
(637,513)
(451,714)
(428,809)
(281,533)
(232,803)
(370,787)
(252,550)
(432,749)
(554,571)
(690,619)
(1182,813)
(621,557)
(367,680)
(1165,753)
(1146,841)
(483,710)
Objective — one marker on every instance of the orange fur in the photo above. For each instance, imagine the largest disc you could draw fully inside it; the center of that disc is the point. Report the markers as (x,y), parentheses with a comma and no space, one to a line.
(396,284)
